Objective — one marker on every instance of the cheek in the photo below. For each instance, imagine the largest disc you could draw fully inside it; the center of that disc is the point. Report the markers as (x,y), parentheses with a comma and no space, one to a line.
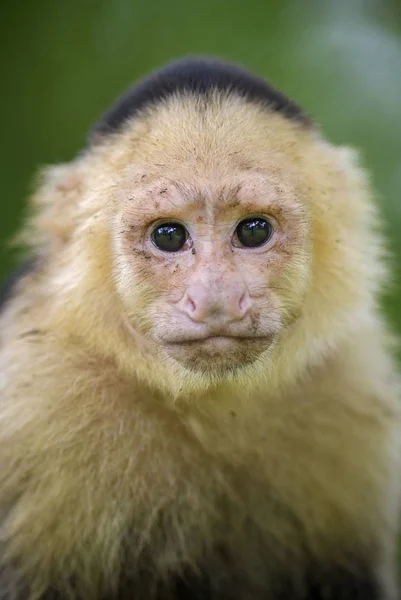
(148,286)
(289,283)
(277,282)
(169,278)
(258,273)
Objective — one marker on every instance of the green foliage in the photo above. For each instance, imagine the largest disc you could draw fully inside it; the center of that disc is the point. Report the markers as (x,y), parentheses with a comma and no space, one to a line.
(64,62)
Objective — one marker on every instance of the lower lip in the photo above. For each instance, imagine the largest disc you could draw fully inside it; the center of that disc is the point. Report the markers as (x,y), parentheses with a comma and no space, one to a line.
(220,339)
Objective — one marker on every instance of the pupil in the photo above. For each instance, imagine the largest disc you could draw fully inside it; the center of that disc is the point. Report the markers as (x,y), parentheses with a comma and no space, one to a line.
(254,232)
(169,237)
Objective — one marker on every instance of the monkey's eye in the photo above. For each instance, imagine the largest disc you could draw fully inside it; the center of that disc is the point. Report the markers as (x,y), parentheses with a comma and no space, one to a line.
(170,237)
(253,232)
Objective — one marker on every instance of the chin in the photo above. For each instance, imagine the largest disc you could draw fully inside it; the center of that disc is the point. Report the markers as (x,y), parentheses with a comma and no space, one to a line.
(217,356)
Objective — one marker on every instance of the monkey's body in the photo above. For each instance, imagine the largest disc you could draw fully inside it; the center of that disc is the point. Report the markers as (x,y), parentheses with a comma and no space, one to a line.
(137,471)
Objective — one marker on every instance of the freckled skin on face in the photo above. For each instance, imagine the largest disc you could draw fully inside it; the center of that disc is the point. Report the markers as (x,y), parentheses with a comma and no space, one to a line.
(215,305)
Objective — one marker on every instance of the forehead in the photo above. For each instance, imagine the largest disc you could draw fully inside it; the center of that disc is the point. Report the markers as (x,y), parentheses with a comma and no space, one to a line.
(215,155)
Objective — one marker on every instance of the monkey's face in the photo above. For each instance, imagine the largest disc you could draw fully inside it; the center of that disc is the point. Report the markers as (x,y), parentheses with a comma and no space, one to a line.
(212,271)
(211,258)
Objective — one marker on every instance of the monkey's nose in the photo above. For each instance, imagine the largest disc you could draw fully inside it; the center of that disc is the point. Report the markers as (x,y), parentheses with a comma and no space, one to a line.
(217,306)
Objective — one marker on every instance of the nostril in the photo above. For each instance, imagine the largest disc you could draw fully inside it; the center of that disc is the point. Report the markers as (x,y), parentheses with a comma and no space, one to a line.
(244,303)
(193,304)
(190,305)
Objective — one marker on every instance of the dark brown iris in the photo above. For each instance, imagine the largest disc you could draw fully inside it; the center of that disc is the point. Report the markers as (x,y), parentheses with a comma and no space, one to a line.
(253,232)
(169,237)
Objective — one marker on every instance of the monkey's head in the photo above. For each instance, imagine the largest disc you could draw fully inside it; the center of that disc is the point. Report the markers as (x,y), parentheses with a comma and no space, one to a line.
(230,235)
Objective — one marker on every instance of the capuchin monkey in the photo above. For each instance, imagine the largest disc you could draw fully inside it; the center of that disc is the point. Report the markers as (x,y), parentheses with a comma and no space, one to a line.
(198,396)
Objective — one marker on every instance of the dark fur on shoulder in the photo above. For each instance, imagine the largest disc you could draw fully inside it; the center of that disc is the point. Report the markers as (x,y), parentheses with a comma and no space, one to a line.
(7,287)
(198,76)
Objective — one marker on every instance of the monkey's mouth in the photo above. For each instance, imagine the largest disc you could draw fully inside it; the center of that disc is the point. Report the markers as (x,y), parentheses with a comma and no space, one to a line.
(217,353)
(219,340)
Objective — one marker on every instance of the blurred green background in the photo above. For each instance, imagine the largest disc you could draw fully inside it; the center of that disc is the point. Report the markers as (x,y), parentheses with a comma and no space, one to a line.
(63,63)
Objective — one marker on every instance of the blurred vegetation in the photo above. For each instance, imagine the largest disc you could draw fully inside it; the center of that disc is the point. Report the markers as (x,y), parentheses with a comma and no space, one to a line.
(63,63)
